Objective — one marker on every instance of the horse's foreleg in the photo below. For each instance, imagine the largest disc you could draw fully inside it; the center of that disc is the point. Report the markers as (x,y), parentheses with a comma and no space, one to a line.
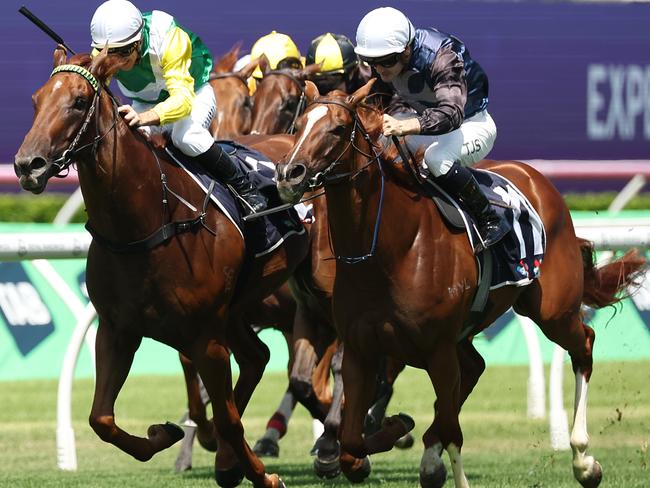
(213,362)
(444,372)
(432,469)
(252,356)
(196,402)
(305,360)
(359,384)
(327,448)
(114,356)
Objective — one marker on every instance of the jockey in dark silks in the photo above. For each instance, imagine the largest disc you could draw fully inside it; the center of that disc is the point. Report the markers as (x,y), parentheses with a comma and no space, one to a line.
(445,95)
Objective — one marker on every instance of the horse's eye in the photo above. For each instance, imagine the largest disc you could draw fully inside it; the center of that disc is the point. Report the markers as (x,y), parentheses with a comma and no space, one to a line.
(80,103)
(339,130)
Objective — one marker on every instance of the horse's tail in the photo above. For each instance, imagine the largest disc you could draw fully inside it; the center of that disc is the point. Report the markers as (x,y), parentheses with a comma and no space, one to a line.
(609,284)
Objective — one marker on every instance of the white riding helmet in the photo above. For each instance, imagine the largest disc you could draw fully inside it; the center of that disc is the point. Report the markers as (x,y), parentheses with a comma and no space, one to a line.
(383,31)
(116,22)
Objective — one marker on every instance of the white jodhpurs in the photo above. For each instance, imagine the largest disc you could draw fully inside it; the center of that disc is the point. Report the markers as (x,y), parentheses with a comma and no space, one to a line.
(468,144)
(189,134)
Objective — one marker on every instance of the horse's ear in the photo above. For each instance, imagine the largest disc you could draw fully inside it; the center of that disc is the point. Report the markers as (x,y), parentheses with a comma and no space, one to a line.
(227,62)
(60,55)
(358,96)
(247,70)
(311,69)
(104,66)
(264,64)
(311,91)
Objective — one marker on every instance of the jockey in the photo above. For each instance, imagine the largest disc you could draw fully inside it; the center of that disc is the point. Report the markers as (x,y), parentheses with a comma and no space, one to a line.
(446,92)
(280,51)
(166,77)
(341,69)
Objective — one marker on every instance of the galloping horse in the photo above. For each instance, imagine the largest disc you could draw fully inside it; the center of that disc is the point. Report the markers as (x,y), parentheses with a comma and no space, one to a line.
(410,291)
(157,266)
(278,101)
(234,107)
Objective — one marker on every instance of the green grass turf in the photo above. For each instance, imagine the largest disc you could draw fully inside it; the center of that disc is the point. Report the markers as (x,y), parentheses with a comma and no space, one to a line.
(502,447)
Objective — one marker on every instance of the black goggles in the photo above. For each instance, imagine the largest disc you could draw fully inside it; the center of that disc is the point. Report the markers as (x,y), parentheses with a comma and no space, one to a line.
(385,61)
(124,51)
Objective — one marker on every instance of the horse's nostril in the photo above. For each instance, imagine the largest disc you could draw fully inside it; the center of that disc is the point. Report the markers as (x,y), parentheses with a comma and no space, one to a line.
(37,163)
(297,172)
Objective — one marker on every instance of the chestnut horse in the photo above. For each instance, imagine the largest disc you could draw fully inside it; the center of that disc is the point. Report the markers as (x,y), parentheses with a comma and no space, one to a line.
(187,286)
(278,101)
(234,106)
(410,291)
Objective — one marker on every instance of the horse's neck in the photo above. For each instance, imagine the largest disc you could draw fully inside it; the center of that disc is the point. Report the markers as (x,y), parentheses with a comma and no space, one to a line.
(121,187)
(353,203)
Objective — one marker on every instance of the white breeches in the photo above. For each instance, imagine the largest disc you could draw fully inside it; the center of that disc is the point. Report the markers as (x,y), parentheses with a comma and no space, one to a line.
(468,144)
(189,134)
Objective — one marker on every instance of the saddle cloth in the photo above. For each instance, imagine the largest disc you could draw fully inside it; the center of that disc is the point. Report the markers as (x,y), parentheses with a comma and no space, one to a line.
(517,257)
(261,235)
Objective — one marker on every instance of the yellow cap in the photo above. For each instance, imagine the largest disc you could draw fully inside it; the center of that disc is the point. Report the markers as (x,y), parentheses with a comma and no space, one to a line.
(276,46)
(328,52)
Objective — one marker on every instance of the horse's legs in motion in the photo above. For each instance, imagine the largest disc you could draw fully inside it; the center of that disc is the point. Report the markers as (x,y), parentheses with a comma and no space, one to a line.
(444,371)
(306,357)
(578,338)
(114,353)
(276,427)
(432,469)
(326,463)
(197,398)
(213,362)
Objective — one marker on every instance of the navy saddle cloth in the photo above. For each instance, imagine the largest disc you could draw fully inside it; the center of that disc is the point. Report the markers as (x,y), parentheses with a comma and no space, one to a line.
(261,235)
(518,255)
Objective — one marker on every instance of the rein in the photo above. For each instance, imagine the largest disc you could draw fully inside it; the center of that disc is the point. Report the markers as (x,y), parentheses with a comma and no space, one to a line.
(324,178)
(164,232)
(302,102)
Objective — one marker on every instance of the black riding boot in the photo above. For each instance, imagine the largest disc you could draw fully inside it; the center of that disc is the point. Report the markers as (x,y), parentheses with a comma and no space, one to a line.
(218,163)
(460,182)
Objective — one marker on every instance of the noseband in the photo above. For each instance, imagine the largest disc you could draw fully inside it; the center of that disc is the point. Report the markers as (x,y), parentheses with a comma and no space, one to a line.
(64,161)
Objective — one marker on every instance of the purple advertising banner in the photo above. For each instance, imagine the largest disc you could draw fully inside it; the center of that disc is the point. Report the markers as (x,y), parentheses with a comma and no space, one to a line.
(567,81)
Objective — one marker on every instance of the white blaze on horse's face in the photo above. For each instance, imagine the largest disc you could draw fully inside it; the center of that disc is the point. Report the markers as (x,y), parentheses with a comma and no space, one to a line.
(313,116)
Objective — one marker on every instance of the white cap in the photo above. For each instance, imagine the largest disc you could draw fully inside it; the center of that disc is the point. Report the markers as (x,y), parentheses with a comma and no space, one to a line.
(383,31)
(116,22)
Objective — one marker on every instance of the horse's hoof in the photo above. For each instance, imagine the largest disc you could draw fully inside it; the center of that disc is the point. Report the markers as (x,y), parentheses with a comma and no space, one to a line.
(173,431)
(276,481)
(407,420)
(266,447)
(229,478)
(591,478)
(405,442)
(324,443)
(359,473)
(434,480)
(327,468)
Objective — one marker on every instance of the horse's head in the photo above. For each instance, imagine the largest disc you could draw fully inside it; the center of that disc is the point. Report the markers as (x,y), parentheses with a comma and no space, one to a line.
(279,98)
(65,117)
(325,134)
(234,106)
